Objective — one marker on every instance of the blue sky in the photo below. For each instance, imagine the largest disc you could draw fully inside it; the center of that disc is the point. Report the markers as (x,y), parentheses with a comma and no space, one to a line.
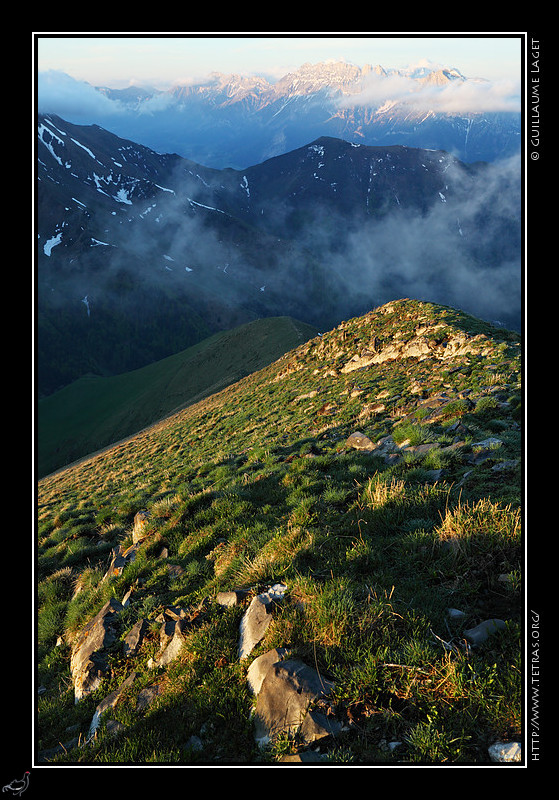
(160,60)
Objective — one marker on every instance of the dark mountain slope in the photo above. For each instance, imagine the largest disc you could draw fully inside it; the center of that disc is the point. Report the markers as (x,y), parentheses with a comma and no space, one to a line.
(141,255)
(94,412)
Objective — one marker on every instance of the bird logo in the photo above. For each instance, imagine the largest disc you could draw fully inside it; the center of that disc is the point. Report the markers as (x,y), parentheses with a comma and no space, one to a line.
(17,787)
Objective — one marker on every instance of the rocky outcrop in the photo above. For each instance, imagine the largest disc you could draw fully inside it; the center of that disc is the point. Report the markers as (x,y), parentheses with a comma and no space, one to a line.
(88,663)
(429,343)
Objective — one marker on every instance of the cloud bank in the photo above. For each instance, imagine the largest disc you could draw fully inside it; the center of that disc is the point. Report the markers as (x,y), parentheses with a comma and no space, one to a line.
(75,101)
(457,96)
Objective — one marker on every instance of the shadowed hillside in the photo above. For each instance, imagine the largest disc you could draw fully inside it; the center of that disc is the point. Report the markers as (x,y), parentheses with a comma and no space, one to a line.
(94,412)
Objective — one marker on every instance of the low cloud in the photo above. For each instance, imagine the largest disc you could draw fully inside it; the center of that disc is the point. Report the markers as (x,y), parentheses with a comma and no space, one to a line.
(73,100)
(457,96)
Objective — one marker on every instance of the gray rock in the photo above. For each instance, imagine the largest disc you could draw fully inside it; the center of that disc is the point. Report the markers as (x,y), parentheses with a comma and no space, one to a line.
(171,647)
(317,726)
(120,558)
(134,638)
(483,631)
(505,752)
(260,666)
(88,662)
(359,441)
(109,702)
(257,617)
(232,598)
(140,530)
(194,744)
(147,696)
(284,699)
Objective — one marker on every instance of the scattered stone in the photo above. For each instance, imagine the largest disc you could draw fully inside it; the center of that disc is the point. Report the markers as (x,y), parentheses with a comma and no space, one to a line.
(172,640)
(134,638)
(484,450)
(490,442)
(88,663)
(505,752)
(257,617)
(147,696)
(194,744)
(434,475)
(371,409)
(140,531)
(109,702)
(232,598)
(126,599)
(422,449)
(360,441)
(389,747)
(483,631)
(120,558)
(114,726)
(456,614)
(505,466)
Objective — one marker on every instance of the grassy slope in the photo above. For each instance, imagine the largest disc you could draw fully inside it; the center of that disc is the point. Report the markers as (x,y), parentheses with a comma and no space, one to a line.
(94,412)
(256,484)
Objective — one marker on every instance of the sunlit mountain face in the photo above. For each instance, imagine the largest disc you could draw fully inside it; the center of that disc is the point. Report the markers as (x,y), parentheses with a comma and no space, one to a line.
(237,121)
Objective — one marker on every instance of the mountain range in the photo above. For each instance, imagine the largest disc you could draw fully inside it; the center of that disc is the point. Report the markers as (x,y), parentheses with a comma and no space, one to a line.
(290,390)
(141,254)
(238,120)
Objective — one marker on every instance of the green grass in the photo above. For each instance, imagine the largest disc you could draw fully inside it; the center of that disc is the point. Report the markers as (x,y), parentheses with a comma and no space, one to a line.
(253,486)
(96,411)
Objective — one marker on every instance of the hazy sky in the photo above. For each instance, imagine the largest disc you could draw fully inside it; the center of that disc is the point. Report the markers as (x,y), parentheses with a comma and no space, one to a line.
(160,60)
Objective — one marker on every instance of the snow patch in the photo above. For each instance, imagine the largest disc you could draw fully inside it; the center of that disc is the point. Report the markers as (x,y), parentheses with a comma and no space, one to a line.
(50,243)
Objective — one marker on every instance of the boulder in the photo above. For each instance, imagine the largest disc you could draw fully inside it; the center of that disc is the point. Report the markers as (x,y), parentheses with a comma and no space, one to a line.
(359,441)
(285,695)
(88,663)
(261,665)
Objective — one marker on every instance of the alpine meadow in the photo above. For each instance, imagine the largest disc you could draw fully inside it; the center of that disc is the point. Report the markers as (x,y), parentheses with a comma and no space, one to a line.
(280,425)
